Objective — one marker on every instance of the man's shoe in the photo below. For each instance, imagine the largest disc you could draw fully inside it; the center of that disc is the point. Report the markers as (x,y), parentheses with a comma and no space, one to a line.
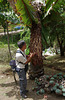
(24,96)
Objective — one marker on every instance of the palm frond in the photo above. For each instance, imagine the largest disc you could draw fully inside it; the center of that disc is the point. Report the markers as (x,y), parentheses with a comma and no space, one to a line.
(26,11)
(49,5)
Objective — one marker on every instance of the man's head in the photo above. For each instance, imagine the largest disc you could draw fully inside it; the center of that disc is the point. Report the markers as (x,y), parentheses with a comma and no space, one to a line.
(21,45)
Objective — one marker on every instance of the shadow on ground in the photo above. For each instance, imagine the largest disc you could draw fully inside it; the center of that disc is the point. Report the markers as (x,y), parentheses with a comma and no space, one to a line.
(31,95)
(55,62)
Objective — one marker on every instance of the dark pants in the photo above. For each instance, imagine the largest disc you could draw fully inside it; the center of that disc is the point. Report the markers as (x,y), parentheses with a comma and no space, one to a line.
(23,80)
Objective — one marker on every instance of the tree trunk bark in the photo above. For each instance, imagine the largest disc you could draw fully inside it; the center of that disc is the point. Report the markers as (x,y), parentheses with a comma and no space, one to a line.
(8,41)
(61,50)
(60,45)
(36,68)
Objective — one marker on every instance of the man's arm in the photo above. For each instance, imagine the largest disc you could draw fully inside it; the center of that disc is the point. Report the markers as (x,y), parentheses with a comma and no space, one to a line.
(30,57)
(27,56)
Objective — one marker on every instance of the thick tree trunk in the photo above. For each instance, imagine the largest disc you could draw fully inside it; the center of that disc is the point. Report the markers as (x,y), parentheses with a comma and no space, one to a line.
(61,50)
(36,46)
(60,45)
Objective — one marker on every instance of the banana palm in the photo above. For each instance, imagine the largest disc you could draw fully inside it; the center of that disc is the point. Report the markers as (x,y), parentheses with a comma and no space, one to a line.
(30,15)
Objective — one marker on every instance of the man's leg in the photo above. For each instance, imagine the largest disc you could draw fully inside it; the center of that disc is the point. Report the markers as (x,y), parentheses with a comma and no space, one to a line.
(23,81)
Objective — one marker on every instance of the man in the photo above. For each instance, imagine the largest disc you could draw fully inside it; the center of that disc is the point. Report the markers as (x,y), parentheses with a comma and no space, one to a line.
(21,62)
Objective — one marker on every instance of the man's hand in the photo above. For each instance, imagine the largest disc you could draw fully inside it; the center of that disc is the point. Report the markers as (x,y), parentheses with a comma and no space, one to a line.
(32,54)
(30,57)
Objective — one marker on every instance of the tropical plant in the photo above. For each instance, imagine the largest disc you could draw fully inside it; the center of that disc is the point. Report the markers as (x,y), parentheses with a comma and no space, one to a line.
(30,13)
(53,28)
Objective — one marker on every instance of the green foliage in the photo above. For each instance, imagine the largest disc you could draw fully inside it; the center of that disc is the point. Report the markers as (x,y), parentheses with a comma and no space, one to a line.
(26,11)
(8,17)
(25,35)
(48,4)
(47,18)
(4,6)
(1,44)
(7,14)
(60,4)
(4,54)
(53,23)
(3,20)
(1,0)
(13,39)
(12,17)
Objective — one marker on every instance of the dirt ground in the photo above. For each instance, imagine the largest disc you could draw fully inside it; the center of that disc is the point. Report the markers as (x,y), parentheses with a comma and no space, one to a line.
(10,91)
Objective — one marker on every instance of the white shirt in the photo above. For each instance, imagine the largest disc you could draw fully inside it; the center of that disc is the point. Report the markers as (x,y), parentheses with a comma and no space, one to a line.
(20,58)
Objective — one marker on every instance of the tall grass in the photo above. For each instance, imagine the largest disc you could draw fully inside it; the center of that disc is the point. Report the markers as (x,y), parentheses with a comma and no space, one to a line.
(4,52)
